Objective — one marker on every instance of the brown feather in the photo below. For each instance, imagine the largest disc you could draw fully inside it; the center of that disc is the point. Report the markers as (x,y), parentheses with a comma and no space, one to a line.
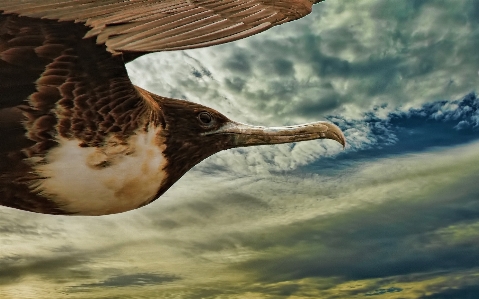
(56,84)
(154,25)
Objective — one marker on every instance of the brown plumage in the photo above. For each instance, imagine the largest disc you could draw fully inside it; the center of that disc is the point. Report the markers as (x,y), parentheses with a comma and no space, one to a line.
(65,96)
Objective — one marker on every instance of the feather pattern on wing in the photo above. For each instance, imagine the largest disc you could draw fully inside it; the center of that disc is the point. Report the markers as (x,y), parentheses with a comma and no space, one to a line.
(56,84)
(160,25)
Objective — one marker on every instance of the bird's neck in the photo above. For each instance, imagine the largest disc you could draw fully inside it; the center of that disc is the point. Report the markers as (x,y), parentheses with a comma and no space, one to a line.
(150,109)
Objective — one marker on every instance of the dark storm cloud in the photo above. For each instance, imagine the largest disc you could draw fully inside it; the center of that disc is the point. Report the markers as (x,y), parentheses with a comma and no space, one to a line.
(128,280)
(388,64)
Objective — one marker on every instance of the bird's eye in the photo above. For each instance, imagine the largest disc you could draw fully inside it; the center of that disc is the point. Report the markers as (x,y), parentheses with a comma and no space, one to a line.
(205,118)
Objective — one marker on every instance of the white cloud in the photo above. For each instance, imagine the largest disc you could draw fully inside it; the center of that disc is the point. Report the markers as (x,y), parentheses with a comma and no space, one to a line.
(344,59)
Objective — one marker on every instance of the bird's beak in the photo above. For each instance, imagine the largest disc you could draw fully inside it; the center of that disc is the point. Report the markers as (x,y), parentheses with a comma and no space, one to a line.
(246,135)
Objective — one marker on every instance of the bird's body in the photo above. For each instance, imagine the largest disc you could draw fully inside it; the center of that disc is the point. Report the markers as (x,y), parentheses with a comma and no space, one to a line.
(115,177)
(77,137)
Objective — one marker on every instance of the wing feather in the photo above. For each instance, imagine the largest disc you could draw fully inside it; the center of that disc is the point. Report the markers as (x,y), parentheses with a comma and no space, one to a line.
(50,70)
(160,25)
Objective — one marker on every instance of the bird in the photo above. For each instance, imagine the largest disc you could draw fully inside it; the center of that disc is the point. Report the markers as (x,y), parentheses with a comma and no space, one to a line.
(77,137)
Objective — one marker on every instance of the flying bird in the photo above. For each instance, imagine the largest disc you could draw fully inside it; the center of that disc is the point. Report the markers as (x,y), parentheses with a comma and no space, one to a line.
(78,138)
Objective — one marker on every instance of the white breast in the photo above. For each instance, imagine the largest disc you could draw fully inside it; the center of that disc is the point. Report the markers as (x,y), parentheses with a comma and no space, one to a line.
(95,181)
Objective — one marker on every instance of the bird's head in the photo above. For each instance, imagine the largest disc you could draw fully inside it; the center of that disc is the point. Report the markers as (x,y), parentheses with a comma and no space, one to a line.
(193,132)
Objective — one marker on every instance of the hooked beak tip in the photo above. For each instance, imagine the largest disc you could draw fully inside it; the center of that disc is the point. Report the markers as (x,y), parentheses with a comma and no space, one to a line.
(335,133)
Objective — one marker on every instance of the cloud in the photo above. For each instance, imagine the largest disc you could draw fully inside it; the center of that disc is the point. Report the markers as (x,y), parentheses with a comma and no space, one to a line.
(127,280)
(383,241)
(12,225)
(439,123)
(344,58)
(14,268)
(283,234)
(392,220)
(383,291)
(378,133)
(366,65)
(452,293)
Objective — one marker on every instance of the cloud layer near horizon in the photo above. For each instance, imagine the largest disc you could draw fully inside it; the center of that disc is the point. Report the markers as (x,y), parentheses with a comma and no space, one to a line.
(403,216)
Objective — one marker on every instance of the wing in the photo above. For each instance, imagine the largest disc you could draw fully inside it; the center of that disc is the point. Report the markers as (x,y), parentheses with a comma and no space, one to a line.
(55,83)
(48,68)
(159,25)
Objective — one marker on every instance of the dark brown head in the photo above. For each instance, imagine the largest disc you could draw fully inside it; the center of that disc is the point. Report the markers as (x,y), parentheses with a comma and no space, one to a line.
(193,132)
(185,127)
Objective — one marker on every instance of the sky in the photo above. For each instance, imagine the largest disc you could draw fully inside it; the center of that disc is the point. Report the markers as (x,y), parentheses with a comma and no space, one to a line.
(393,215)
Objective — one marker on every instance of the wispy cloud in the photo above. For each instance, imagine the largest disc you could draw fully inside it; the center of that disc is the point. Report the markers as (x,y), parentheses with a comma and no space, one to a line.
(378,222)
(468,291)
(128,280)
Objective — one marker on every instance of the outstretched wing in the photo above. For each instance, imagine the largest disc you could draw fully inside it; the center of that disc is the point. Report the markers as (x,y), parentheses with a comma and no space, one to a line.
(159,25)
(61,81)
(55,84)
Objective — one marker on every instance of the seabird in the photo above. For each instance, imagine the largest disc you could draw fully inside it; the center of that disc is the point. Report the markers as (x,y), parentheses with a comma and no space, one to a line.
(77,137)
